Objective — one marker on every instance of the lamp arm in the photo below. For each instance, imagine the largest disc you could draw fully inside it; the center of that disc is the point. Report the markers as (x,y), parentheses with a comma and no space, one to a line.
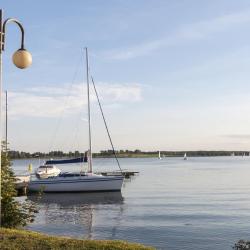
(9,20)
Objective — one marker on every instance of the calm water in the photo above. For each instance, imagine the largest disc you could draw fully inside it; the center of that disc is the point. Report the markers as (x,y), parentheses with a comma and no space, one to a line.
(202,203)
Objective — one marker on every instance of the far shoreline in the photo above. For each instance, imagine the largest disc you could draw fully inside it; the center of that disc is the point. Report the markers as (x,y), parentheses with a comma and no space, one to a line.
(109,154)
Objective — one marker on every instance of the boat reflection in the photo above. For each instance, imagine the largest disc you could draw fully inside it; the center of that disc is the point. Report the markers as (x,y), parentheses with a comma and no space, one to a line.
(69,199)
(74,212)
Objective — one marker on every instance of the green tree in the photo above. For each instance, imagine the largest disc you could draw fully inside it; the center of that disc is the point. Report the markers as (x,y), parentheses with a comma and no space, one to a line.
(137,151)
(13,212)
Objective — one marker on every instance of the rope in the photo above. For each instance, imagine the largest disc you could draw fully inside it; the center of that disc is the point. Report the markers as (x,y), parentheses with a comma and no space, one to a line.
(99,103)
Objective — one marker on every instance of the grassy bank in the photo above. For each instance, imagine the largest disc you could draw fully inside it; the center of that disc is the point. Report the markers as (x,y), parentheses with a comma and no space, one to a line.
(23,239)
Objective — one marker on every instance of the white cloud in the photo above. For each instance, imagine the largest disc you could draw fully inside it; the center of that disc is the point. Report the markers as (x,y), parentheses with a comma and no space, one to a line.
(238,136)
(120,93)
(195,31)
(53,101)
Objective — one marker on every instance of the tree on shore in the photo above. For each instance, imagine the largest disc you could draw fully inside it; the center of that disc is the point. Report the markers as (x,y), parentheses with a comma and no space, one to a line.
(13,212)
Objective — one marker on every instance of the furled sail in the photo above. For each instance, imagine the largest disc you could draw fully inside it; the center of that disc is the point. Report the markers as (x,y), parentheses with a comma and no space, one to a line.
(67,161)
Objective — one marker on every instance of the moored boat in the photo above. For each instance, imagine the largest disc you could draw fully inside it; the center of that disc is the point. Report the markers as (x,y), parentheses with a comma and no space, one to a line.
(81,182)
(77,182)
(46,171)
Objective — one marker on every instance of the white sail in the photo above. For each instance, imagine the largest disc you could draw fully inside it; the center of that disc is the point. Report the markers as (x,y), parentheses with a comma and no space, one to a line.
(159,155)
(185,156)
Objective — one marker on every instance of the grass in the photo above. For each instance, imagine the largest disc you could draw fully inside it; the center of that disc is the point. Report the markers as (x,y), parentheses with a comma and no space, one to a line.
(24,239)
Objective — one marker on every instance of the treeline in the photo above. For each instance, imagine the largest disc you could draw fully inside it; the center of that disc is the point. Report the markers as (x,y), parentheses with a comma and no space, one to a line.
(124,153)
(199,153)
(52,154)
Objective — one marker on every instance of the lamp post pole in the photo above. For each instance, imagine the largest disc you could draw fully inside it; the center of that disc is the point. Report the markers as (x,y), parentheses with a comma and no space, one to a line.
(1,80)
(22,59)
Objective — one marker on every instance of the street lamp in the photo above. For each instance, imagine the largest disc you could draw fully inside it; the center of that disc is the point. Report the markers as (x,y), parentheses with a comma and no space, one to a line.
(21,58)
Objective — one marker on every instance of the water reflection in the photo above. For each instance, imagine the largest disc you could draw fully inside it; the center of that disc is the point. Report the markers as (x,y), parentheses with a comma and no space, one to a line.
(78,211)
(73,199)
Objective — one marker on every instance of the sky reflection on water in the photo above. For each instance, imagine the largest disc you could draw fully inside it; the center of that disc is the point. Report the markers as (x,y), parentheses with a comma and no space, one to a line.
(202,203)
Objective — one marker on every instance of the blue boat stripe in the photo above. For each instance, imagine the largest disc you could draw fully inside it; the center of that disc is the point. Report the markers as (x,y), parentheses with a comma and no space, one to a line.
(67,161)
(72,181)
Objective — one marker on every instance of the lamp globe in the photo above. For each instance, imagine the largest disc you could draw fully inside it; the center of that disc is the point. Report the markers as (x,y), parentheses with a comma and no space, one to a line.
(22,58)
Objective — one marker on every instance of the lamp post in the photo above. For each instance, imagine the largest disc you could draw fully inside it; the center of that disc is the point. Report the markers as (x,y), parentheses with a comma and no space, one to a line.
(21,58)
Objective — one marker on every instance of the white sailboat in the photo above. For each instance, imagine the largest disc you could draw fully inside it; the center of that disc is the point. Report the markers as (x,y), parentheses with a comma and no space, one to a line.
(81,182)
(46,171)
(185,157)
(159,155)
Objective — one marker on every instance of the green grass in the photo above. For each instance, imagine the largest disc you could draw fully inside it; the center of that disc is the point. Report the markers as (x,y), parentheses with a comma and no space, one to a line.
(24,239)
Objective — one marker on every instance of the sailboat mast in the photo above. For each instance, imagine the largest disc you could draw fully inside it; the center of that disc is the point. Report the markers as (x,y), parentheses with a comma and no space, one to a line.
(89,120)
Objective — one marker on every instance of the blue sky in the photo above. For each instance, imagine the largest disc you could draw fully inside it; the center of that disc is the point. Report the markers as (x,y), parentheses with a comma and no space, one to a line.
(172,75)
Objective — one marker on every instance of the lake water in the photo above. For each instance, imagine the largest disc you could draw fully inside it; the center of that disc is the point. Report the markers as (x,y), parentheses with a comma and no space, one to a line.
(201,203)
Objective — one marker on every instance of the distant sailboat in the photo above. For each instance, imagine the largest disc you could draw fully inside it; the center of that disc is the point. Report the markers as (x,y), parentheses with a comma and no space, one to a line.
(185,157)
(159,155)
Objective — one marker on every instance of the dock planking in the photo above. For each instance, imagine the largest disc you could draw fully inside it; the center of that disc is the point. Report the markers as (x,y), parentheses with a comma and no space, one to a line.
(126,174)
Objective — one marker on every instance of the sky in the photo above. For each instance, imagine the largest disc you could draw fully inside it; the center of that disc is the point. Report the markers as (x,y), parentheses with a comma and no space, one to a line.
(171,75)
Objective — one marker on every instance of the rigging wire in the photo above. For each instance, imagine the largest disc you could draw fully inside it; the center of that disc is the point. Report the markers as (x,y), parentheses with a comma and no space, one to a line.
(59,121)
(99,103)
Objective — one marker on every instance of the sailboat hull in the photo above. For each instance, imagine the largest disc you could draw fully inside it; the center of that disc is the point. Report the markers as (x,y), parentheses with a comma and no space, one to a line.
(78,184)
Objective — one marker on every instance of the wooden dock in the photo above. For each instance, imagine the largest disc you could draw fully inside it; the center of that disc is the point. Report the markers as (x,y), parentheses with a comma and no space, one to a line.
(126,174)
(21,184)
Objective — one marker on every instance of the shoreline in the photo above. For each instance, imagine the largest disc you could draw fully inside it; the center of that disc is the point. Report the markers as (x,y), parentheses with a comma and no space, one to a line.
(135,156)
(26,239)
(125,154)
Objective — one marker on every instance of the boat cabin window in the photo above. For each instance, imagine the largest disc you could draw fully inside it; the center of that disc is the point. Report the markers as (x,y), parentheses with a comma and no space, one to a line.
(71,174)
(46,167)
